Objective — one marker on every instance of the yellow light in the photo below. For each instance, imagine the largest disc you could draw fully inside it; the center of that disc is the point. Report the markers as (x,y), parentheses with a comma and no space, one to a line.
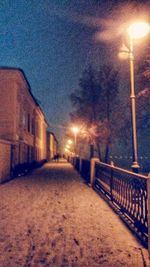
(124,52)
(69,142)
(75,129)
(66,149)
(67,146)
(138,30)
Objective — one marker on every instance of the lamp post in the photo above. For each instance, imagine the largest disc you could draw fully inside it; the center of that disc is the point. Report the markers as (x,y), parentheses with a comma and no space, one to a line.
(75,131)
(135,165)
(136,31)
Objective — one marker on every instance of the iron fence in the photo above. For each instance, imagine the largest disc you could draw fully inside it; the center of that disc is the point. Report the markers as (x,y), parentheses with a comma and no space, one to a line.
(85,170)
(75,161)
(127,192)
(82,166)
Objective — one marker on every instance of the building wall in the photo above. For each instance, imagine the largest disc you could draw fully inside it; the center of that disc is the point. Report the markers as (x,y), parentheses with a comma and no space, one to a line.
(5,160)
(22,121)
(24,117)
(40,136)
(54,145)
(7,105)
(31,125)
(51,146)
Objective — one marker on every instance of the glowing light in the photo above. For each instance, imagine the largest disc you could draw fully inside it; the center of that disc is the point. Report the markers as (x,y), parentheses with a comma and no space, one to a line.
(124,52)
(138,30)
(69,142)
(67,146)
(75,129)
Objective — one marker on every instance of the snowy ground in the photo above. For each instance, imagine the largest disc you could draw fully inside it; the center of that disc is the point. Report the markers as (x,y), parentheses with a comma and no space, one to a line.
(51,218)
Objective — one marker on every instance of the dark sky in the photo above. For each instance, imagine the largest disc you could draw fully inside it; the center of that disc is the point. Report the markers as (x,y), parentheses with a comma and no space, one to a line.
(47,41)
(52,41)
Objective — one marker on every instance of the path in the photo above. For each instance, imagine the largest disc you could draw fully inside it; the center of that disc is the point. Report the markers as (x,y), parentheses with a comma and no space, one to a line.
(51,218)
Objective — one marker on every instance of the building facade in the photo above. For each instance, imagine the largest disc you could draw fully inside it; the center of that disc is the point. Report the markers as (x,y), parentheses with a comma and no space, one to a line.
(52,146)
(22,122)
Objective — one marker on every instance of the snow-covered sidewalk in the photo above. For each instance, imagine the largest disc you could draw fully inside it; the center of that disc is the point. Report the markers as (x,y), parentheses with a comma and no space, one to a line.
(51,218)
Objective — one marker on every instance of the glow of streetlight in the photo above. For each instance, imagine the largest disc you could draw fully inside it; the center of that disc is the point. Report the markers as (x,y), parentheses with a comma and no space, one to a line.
(75,129)
(124,52)
(67,146)
(69,142)
(138,30)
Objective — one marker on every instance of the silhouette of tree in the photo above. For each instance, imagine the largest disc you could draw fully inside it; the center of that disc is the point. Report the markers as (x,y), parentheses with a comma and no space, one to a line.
(93,106)
(108,82)
(143,96)
(86,103)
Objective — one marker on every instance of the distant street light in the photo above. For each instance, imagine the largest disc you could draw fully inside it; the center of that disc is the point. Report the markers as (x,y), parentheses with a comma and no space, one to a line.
(69,141)
(135,31)
(75,131)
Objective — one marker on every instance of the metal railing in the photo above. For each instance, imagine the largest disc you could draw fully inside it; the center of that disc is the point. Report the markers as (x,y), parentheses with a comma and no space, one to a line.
(82,166)
(127,192)
(85,170)
(76,163)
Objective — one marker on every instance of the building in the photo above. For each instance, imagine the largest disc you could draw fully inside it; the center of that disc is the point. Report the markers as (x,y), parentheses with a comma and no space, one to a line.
(52,146)
(22,123)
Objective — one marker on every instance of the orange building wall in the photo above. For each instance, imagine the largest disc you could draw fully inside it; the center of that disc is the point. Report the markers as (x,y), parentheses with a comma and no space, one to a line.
(7,106)
(22,122)
(51,146)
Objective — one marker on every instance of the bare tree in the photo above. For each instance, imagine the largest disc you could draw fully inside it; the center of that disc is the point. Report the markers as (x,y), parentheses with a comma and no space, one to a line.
(93,106)
(143,96)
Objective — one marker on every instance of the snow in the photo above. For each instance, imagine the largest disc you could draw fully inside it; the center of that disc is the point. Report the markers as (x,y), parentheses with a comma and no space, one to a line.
(51,218)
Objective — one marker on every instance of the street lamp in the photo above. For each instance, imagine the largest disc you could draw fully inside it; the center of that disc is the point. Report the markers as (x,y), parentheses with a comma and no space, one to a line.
(69,141)
(75,131)
(136,30)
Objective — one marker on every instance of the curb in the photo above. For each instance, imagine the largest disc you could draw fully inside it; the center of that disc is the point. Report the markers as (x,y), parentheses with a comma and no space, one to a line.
(146,257)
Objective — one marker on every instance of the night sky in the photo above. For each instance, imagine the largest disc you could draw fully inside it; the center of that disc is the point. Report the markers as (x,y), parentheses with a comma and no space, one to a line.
(52,41)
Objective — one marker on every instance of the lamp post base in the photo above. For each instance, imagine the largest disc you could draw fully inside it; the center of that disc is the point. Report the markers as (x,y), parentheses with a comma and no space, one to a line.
(135,167)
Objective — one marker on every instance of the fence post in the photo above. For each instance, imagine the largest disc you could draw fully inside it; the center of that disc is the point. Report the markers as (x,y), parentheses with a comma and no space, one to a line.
(80,165)
(92,170)
(111,180)
(148,192)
